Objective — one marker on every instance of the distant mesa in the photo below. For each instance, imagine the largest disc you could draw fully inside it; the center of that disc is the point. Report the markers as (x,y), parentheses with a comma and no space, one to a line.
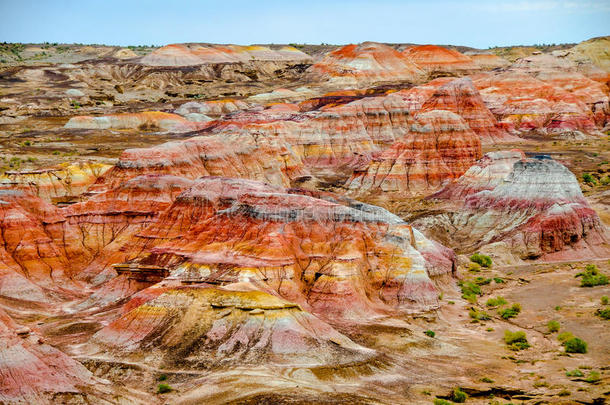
(367,62)
(195,54)
(147,120)
(433,58)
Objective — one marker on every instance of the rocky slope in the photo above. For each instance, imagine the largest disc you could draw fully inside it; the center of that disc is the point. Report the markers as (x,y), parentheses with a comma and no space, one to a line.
(368,62)
(438,60)
(534,206)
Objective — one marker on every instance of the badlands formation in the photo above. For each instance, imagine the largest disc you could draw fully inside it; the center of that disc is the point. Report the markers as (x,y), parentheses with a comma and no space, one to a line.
(202,223)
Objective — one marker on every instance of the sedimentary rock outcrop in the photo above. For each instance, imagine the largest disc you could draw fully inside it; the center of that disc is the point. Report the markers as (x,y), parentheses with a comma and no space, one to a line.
(560,104)
(64,181)
(439,146)
(148,120)
(194,54)
(461,97)
(436,59)
(368,62)
(488,61)
(41,253)
(302,247)
(213,108)
(535,206)
(36,373)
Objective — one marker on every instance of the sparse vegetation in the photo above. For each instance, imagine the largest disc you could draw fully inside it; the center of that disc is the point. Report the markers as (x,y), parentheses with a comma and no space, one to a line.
(511,312)
(439,401)
(588,178)
(604,300)
(474,267)
(164,388)
(591,277)
(553,326)
(496,302)
(603,313)
(477,315)
(430,333)
(498,280)
(487,380)
(593,377)
(482,281)
(564,393)
(516,340)
(483,260)
(162,377)
(574,373)
(575,345)
(564,336)
(459,396)
(470,291)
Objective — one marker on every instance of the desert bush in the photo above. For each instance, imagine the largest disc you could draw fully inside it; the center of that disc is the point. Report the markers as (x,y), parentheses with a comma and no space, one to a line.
(553,326)
(498,280)
(459,396)
(474,267)
(439,401)
(496,302)
(588,178)
(511,312)
(470,291)
(593,377)
(430,333)
(603,313)
(483,260)
(162,377)
(487,380)
(482,281)
(574,373)
(604,300)
(575,345)
(516,340)
(564,336)
(591,277)
(477,315)
(164,388)
(564,393)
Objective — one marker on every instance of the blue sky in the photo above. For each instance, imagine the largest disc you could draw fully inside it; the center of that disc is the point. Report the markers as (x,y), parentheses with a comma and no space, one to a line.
(476,23)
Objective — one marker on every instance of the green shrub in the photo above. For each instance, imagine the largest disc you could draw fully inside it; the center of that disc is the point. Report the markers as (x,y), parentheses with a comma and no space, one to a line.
(482,281)
(575,345)
(483,260)
(162,377)
(438,401)
(605,180)
(164,388)
(604,300)
(430,333)
(496,302)
(470,291)
(511,312)
(498,280)
(487,380)
(553,326)
(591,277)
(593,377)
(603,313)
(574,373)
(516,340)
(477,315)
(459,396)
(564,336)
(588,178)
(474,267)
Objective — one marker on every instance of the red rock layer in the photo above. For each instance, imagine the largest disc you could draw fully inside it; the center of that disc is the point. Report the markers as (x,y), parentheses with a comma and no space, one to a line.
(305,249)
(552,104)
(461,97)
(41,253)
(205,326)
(439,146)
(366,63)
(536,208)
(36,373)
(110,220)
(433,58)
